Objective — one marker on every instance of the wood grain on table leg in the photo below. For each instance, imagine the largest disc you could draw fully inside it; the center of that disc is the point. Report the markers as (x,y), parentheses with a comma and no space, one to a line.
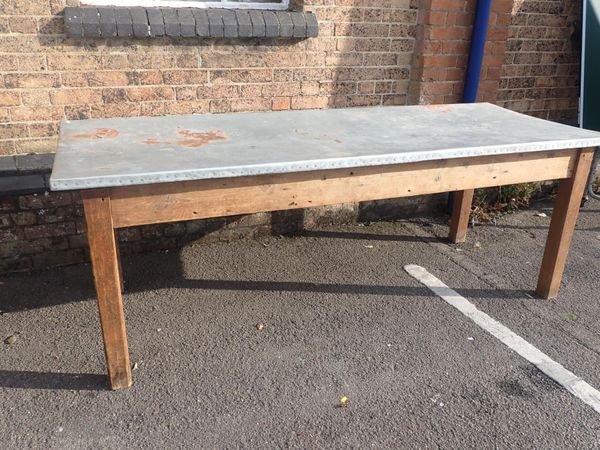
(459,222)
(562,225)
(105,264)
(121,282)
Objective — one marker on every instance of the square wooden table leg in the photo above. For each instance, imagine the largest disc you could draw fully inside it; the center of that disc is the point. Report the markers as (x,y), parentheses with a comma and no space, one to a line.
(105,265)
(562,225)
(459,221)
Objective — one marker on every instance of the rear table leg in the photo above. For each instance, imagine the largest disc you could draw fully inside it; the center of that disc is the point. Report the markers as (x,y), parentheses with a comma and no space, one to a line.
(562,225)
(459,221)
(105,265)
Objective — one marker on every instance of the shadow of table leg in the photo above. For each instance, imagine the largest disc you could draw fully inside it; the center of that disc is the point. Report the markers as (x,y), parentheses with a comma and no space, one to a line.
(23,379)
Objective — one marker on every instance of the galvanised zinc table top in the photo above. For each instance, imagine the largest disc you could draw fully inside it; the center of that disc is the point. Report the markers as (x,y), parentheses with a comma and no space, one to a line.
(145,150)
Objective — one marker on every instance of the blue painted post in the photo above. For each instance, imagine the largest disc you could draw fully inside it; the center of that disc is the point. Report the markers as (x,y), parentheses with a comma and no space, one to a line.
(478,40)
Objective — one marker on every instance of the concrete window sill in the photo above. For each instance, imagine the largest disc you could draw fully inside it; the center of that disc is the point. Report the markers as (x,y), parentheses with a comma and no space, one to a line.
(186,22)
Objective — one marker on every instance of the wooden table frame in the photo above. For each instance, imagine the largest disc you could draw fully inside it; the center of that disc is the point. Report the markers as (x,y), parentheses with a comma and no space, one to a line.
(107,209)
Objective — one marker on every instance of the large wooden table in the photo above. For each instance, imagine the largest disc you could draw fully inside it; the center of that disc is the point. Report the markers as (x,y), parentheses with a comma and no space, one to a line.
(141,171)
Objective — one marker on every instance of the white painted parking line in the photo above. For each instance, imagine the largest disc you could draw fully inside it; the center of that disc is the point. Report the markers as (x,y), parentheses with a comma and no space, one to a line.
(571,382)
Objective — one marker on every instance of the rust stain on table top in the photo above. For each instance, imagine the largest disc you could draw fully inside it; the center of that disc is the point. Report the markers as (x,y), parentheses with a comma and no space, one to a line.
(193,139)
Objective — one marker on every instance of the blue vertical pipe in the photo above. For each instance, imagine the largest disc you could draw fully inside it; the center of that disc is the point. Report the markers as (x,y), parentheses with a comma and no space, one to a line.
(478,39)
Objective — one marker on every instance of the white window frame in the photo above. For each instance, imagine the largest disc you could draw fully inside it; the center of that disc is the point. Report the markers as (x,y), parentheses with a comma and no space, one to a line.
(284,5)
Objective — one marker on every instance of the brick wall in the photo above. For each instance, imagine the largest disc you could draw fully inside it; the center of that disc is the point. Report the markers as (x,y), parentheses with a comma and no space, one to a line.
(366,54)
(362,57)
(369,52)
(540,75)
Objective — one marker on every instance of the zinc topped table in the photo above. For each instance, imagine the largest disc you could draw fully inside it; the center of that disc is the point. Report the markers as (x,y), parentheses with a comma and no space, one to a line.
(146,170)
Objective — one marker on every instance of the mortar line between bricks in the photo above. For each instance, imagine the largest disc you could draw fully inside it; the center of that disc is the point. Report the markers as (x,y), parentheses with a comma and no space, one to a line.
(499,284)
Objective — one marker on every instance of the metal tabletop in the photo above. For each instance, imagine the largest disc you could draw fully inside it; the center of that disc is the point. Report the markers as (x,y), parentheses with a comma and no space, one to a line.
(145,150)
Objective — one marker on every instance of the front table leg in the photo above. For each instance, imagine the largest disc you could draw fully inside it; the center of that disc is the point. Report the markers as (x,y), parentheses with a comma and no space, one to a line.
(562,225)
(461,210)
(105,265)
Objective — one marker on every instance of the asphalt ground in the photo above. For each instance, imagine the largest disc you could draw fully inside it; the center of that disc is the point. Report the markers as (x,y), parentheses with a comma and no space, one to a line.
(341,318)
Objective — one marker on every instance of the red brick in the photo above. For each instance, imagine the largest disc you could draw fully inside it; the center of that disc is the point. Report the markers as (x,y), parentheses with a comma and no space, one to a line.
(13,130)
(37,113)
(189,107)
(309,102)
(250,104)
(175,77)
(117,109)
(31,80)
(9,98)
(219,106)
(241,76)
(20,7)
(280,103)
(218,91)
(157,108)
(76,96)
(35,97)
(48,129)
(143,94)
(23,24)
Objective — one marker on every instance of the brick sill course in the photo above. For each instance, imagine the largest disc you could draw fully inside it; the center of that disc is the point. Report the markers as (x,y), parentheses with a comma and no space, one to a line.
(25,174)
(187,22)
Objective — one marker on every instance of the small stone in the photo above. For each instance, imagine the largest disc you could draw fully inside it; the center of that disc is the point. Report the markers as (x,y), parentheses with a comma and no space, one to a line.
(260,326)
(135,366)
(367,246)
(10,340)
(477,245)
(344,402)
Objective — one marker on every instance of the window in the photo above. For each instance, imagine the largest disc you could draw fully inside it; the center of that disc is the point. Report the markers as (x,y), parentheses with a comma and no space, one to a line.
(233,4)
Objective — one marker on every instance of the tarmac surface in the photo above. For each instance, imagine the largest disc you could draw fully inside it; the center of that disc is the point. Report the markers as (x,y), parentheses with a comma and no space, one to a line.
(341,318)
